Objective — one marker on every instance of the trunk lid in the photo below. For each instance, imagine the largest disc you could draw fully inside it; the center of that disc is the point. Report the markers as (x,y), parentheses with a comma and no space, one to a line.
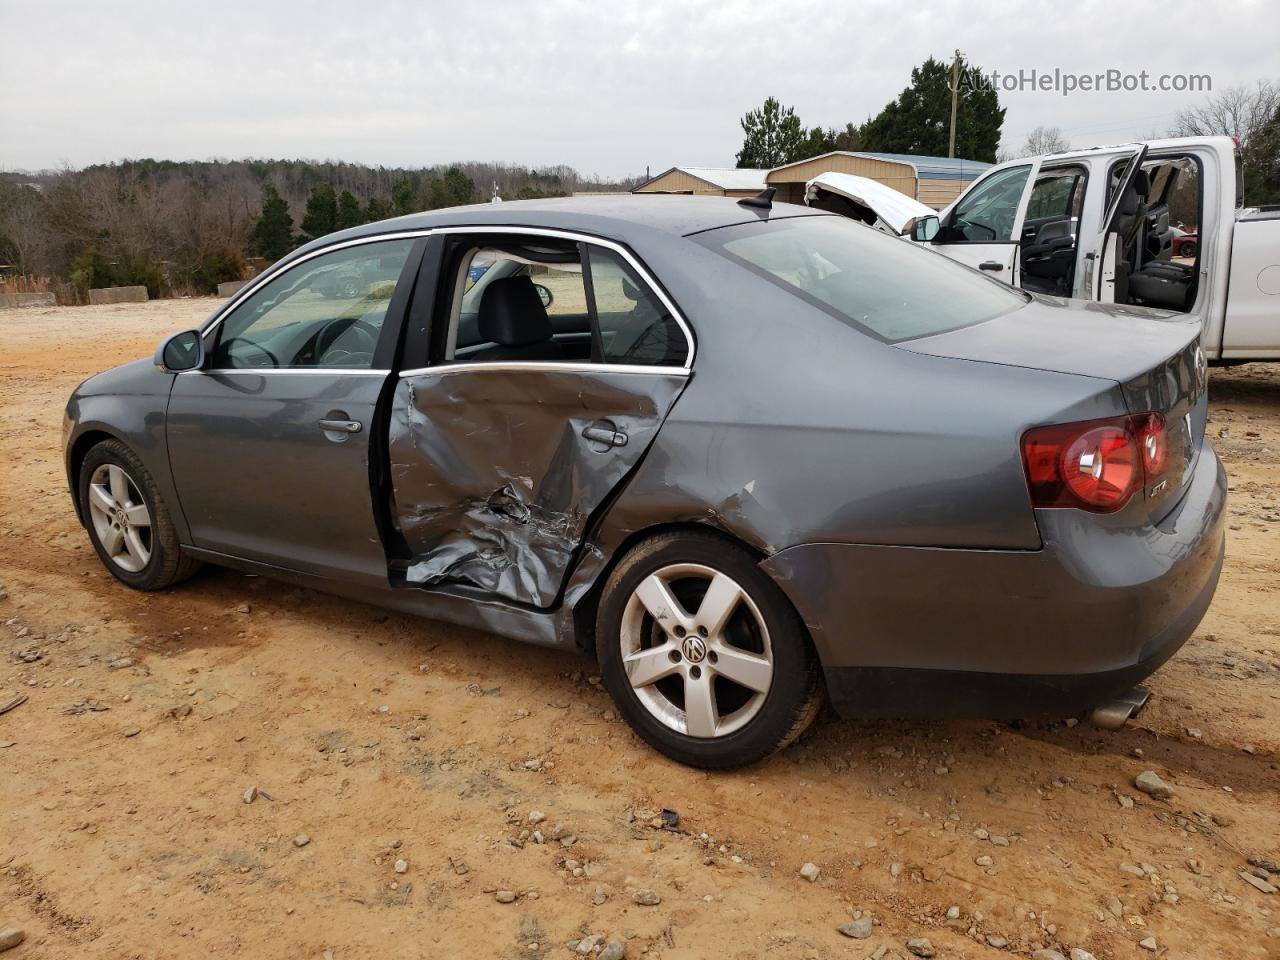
(890,207)
(1154,356)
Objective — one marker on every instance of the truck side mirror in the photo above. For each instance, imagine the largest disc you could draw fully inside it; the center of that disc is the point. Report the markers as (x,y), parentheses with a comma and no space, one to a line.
(182,351)
(924,229)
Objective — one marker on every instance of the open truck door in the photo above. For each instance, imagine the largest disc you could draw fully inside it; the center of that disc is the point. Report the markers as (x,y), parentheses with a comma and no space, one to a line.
(983,227)
(1126,205)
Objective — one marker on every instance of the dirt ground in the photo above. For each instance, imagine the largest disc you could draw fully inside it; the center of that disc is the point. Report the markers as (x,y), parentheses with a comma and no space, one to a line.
(125,832)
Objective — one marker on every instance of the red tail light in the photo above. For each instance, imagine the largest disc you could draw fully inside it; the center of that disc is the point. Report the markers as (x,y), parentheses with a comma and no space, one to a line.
(1095,465)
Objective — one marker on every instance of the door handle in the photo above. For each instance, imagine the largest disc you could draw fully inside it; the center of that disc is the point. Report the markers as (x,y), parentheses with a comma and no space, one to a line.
(340,426)
(602,431)
(991,265)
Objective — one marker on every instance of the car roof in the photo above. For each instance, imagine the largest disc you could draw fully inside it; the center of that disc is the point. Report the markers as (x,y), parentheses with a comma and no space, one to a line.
(622,217)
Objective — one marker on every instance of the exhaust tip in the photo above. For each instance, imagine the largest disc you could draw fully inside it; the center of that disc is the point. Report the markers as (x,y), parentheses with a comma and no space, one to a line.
(1113,714)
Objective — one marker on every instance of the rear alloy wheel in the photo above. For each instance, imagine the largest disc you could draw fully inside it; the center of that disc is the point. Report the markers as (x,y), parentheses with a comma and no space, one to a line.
(704,655)
(128,522)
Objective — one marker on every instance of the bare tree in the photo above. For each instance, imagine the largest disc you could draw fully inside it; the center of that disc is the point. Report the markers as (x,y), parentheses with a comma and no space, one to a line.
(1241,112)
(1044,140)
(1250,114)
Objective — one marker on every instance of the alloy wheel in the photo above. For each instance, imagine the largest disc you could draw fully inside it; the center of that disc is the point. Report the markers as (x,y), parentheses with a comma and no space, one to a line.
(696,650)
(120,518)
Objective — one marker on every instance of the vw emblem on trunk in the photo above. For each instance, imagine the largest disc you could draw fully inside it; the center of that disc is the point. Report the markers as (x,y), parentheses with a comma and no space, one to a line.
(694,649)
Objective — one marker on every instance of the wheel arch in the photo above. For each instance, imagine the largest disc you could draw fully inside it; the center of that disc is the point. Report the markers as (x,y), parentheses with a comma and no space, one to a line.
(78,450)
(584,609)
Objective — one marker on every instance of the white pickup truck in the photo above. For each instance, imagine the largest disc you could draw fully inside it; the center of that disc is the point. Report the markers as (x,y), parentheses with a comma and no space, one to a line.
(1101,224)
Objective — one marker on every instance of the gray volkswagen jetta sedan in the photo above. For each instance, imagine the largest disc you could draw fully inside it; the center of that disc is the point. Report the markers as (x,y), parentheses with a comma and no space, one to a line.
(747,457)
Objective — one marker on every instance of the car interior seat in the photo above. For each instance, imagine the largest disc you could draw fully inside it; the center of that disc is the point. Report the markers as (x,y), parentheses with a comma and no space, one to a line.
(1129,219)
(1159,282)
(513,318)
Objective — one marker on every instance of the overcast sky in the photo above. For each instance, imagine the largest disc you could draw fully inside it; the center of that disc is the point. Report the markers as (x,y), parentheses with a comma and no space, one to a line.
(608,88)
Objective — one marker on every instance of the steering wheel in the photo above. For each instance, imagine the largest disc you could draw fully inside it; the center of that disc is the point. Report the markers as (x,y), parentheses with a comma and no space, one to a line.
(360,338)
(967,225)
(235,342)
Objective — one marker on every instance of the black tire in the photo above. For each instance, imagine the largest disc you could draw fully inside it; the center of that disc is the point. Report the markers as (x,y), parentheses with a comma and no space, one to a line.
(167,564)
(1190,249)
(795,693)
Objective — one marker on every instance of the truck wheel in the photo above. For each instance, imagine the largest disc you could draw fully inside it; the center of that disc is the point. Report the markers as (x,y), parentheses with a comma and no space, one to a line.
(129,524)
(703,653)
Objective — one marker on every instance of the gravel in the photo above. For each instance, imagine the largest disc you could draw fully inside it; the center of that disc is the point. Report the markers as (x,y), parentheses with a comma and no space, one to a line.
(505,896)
(811,872)
(1079,954)
(1149,944)
(920,947)
(11,937)
(1047,955)
(613,950)
(301,840)
(646,898)
(402,866)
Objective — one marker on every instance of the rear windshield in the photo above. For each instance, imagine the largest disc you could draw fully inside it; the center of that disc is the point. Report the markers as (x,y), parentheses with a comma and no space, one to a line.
(880,284)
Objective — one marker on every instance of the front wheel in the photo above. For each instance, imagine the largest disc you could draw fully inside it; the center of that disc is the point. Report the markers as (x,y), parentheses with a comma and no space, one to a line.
(703,654)
(129,524)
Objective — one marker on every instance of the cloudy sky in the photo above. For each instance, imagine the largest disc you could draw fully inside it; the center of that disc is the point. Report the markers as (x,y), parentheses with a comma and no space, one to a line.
(609,88)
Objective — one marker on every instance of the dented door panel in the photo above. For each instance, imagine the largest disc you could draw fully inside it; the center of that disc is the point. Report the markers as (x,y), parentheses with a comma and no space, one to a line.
(497,471)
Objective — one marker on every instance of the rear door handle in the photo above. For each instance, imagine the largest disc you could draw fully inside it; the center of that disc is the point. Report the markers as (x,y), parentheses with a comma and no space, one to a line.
(602,431)
(340,426)
(991,265)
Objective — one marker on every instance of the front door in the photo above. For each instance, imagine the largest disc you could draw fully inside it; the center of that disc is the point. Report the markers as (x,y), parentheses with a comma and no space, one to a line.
(981,228)
(506,446)
(270,443)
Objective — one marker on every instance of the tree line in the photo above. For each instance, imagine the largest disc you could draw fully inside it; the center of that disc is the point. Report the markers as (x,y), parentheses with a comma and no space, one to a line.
(184,227)
(918,121)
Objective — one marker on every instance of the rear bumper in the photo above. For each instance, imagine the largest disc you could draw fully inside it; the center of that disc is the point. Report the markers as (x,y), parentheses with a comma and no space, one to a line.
(944,632)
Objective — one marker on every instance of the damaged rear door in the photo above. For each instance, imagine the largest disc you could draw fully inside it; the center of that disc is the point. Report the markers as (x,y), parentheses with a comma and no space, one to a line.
(534,412)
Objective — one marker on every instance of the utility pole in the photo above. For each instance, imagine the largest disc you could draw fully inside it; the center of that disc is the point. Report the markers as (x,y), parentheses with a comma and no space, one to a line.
(955,95)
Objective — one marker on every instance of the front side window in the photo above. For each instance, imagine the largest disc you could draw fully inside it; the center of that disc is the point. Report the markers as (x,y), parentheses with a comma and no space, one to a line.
(988,212)
(327,312)
(879,284)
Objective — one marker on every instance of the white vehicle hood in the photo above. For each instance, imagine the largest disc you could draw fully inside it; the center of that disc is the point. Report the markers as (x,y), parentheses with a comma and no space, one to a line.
(895,210)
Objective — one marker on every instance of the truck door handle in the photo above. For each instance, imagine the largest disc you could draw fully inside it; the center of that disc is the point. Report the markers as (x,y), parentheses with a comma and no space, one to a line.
(602,431)
(340,426)
(991,265)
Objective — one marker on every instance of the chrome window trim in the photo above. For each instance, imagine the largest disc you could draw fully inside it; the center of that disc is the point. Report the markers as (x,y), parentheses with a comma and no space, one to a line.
(263,371)
(544,366)
(617,248)
(280,269)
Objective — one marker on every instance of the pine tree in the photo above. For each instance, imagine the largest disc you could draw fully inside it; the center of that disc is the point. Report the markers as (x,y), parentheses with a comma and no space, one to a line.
(773,136)
(349,214)
(322,212)
(376,210)
(272,235)
(919,120)
(402,199)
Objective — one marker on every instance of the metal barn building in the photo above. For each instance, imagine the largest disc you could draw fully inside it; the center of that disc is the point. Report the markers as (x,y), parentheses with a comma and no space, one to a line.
(934,181)
(707,182)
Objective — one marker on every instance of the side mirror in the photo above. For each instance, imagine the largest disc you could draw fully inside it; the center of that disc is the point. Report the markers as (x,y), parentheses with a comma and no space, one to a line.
(182,351)
(544,294)
(924,229)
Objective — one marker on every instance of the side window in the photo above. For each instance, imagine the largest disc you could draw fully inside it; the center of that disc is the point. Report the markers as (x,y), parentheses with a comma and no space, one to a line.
(987,214)
(1052,195)
(522,301)
(326,312)
(635,327)
(550,300)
